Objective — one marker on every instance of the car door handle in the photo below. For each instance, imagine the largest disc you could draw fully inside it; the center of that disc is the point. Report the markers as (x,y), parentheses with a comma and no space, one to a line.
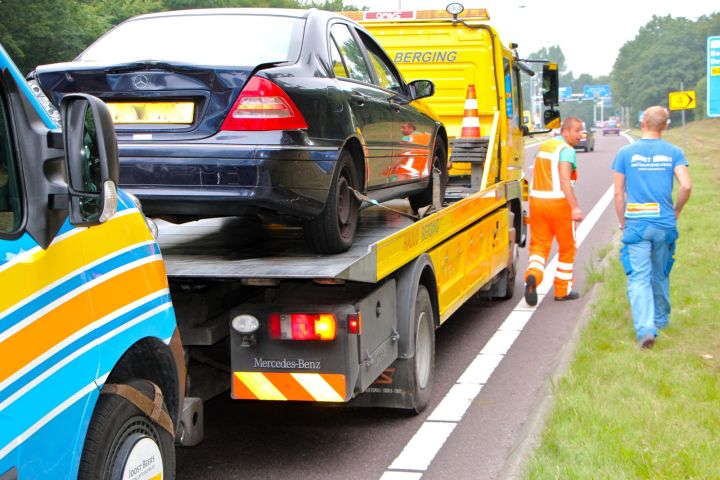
(358,98)
(395,104)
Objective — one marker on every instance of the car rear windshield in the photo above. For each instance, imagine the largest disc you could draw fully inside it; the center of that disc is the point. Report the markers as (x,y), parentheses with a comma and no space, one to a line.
(228,39)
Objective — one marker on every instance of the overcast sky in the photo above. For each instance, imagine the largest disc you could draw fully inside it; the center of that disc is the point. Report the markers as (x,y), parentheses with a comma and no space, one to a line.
(590,33)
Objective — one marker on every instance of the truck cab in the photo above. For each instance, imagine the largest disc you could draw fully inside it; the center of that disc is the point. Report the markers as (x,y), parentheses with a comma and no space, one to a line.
(88,337)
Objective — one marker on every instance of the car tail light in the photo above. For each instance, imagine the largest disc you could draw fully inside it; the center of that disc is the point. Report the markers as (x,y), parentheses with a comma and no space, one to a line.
(262,105)
(303,326)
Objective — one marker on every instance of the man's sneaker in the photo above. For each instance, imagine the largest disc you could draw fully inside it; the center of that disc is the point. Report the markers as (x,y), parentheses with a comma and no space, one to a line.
(647,341)
(531,291)
(572,295)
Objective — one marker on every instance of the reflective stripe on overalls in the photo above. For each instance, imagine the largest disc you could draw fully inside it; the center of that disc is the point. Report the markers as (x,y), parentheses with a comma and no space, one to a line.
(551,217)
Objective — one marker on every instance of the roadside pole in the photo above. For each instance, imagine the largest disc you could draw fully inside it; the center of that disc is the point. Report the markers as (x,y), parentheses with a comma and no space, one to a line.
(682,89)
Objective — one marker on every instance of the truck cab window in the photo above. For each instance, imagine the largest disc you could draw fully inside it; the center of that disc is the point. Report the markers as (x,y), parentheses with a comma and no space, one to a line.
(10,193)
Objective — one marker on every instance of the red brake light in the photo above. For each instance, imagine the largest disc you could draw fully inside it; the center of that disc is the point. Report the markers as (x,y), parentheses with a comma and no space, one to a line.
(262,105)
(302,326)
(354,323)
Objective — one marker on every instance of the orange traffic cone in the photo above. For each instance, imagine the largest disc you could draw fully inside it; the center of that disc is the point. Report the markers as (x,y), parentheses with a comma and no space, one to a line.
(471,119)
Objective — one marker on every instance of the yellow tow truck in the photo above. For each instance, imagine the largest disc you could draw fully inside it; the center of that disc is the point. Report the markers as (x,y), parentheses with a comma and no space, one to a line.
(254,305)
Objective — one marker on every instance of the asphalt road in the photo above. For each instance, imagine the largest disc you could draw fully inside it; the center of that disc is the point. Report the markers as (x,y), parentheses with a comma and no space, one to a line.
(300,442)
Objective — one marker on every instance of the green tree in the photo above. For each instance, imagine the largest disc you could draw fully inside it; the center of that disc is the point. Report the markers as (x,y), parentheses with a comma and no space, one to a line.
(666,53)
(43,31)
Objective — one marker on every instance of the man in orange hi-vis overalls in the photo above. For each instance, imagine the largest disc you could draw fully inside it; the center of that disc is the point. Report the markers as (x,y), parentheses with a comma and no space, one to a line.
(554,211)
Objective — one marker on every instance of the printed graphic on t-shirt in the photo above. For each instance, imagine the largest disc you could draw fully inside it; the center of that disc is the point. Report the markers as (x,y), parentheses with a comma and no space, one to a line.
(642,210)
(654,163)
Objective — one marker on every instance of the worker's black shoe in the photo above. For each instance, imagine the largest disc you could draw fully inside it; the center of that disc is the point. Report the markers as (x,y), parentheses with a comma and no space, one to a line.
(531,290)
(572,295)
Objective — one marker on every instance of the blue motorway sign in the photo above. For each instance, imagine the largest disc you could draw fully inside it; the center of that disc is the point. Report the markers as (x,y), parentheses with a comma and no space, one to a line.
(565,93)
(596,91)
(713,76)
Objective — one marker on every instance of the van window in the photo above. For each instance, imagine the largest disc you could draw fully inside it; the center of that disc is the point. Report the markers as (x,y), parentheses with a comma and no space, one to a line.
(10,194)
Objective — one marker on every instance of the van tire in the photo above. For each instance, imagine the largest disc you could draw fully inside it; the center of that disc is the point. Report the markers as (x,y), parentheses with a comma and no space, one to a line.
(114,437)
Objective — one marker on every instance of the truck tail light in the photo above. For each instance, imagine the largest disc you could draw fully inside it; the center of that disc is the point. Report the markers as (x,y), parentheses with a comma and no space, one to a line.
(355,323)
(262,105)
(302,326)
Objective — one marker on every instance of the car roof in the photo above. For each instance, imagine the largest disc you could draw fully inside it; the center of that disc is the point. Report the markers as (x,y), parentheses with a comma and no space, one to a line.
(276,12)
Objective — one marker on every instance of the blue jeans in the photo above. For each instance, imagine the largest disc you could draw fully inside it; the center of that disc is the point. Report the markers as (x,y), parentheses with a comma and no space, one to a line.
(647,256)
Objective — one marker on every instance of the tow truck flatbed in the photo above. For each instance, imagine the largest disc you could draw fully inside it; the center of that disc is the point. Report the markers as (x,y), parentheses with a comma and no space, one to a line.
(233,248)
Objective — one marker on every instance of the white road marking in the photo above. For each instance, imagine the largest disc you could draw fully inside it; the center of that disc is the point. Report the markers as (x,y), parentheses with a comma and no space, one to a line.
(429,439)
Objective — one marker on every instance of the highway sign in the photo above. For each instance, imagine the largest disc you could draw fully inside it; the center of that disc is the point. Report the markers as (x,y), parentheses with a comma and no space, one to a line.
(713,76)
(565,92)
(682,100)
(596,91)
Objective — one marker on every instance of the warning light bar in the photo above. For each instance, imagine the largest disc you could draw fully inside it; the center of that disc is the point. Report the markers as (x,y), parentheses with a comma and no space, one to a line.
(394,15)
(302,326)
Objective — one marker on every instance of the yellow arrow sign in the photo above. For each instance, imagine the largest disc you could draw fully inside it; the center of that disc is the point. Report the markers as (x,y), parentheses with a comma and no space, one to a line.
(681,100)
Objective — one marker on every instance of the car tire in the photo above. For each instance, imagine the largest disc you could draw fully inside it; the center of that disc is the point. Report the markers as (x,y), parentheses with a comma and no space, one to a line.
(121,436)
(423,358)
(425,197)
(334,229)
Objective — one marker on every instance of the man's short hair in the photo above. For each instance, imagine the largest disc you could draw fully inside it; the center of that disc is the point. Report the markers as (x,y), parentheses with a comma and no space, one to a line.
(569,123)
(656,118)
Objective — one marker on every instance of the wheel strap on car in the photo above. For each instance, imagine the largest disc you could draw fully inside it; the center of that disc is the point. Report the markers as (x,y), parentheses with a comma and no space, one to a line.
(152,408)
(364,198)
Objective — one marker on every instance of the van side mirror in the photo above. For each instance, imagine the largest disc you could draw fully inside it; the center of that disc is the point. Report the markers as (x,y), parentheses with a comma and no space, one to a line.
(550,85)
(91,159)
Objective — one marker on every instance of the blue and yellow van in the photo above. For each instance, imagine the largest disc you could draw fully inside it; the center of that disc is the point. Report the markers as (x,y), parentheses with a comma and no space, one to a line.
(91,365)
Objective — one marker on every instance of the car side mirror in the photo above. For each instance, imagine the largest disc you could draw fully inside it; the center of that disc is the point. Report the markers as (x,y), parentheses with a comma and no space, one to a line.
(91,159)
(422,89)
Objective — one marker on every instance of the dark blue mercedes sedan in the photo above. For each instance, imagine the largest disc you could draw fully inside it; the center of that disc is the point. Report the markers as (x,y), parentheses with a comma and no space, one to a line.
(282,114)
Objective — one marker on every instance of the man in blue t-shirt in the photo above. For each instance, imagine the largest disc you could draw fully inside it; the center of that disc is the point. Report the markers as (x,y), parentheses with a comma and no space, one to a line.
(643,179)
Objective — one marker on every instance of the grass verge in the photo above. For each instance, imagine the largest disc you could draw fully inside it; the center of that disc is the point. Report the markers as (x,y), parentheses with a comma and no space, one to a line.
(622,413)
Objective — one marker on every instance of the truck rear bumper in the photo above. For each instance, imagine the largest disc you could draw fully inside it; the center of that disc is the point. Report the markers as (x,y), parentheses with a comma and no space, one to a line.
(301,386)
(265,368)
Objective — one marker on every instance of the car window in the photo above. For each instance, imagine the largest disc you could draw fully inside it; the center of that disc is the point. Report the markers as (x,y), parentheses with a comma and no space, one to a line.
(337,61)
(351,53)
(385,73)
(10,193)
(225,39)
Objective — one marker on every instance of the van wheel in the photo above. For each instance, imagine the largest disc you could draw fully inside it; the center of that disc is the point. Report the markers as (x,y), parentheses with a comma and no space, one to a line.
(124,442)
(333,231)
(439,161)
(423,359)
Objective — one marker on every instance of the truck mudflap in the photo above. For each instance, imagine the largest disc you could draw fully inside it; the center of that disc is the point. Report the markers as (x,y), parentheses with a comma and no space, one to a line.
(271,364)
